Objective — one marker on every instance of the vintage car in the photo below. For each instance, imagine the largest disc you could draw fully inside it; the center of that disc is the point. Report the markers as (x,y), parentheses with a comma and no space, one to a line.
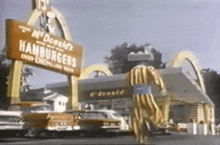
(33,118)
(28,107)
(93,121)
(11,121)
(111,114)
(51,122)
(182,127)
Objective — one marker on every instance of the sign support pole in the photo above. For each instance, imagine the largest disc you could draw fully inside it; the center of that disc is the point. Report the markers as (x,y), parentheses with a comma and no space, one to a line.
(73,91)
(14,80)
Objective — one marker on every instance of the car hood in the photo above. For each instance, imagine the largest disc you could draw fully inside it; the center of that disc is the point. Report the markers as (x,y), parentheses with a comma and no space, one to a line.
(98,120)
(10,113)
(51,116)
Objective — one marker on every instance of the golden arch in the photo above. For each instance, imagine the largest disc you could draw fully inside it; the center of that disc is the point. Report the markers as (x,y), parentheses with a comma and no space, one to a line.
(191,58)
(36,14)
(96,67)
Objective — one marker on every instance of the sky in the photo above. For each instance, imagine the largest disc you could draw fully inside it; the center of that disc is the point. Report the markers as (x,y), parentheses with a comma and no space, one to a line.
(170,26)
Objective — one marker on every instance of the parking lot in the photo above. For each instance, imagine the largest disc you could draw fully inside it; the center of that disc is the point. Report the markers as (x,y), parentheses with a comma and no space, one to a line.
(174,139)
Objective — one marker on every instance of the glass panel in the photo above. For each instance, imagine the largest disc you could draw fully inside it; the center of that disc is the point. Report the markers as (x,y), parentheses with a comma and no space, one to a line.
(116,114)
(41,108)
(105,115)
(91,115)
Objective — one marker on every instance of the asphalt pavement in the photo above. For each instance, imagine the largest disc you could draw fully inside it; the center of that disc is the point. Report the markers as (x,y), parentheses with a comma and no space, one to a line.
(174,139)
(181,138)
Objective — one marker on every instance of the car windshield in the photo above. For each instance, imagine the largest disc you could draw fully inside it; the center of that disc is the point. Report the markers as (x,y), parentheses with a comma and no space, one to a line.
(17,108)
(93,115)
(105,115)
(30,108)
(41,108)
(116,114)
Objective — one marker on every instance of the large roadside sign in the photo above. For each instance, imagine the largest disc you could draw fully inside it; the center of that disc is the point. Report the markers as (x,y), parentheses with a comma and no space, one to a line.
(36,47)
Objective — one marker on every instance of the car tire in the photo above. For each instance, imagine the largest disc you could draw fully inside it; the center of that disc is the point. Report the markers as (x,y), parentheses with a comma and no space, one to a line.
(33,132)
(20,134)
(58,135)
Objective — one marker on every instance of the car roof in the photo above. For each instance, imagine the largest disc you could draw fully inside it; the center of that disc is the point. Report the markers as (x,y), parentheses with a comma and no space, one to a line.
(81,111)
(105,110)
(28,104)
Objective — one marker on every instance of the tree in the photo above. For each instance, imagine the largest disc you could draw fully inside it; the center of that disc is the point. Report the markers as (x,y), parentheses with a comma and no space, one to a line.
(26,72)
(212,83)
(118,60)
(4,71)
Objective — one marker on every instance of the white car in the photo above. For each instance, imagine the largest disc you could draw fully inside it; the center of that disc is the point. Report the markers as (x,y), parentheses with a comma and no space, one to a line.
(11,120)
(111,114)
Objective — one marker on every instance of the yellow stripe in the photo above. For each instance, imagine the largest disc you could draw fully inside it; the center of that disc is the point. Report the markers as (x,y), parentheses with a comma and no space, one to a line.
(136,112)
(135,126)
(136,76)
(138,100)
(144,101)
(152,109)
(144,73)
(140,78)
(162,83)
(131,77)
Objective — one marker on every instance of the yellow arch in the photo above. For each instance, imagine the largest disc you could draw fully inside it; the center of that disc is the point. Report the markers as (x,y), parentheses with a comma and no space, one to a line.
(37,13)
(187,55)
(96,67)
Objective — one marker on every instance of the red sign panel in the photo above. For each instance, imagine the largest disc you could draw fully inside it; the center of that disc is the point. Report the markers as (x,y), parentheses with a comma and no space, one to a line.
(33,46)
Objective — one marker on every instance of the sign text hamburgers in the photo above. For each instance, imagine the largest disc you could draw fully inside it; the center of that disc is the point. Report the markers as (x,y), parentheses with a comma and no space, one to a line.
(37,47)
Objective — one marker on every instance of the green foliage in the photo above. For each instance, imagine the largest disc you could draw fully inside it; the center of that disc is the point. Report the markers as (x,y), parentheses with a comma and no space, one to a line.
(26,72)
(3,86)
(118,62)
(4,71)
(212,83)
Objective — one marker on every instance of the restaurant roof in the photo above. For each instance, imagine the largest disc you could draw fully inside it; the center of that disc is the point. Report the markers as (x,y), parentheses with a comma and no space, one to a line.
(179,85)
